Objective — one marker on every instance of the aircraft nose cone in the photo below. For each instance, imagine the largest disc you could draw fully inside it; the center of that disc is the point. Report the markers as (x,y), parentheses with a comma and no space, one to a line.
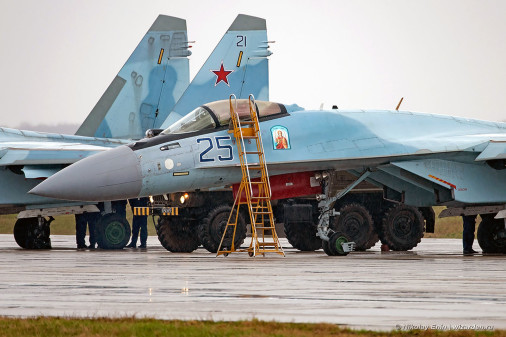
(110,175)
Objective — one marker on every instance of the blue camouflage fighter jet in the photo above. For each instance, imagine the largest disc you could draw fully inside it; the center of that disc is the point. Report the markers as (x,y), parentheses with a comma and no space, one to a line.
(151,86)
(418,159)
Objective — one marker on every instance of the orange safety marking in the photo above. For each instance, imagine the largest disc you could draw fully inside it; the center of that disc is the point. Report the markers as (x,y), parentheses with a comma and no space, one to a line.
(160,56)
(443,181)
(239,59)
(141,211)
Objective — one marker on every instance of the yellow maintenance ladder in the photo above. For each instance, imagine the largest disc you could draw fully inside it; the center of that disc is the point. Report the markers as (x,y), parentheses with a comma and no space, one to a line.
(264,238)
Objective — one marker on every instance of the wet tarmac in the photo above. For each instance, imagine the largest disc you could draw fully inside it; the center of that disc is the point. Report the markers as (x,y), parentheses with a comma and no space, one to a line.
(432,286)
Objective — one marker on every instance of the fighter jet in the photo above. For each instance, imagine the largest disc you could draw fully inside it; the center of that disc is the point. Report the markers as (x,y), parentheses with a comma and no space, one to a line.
(157,71)
(418,159)
(141,96)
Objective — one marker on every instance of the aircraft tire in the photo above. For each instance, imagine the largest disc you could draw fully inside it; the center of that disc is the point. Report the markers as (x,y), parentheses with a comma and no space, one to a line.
(28,235)
(356,223)
(488,237)
(177,235)
(326,248)
(402,227)
(212,227)
(112,231)
(302,236)
(333,246)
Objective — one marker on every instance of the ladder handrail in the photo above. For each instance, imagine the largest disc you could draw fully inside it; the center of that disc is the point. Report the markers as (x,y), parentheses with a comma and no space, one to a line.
(264,162)
(260,211)
(238,122)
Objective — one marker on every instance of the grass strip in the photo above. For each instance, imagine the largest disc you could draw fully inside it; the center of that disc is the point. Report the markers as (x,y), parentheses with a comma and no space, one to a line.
(122,327)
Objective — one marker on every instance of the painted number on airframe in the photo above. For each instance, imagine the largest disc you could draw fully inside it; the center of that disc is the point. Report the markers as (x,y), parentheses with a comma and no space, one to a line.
(241,41)
(223,151)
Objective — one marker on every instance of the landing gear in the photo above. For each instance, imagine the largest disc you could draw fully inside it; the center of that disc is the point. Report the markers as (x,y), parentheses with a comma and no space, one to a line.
(355,223)
(112,231)
(492,234)
(336,245)
(33,233)
(177,235)
(211,229)
(402,227)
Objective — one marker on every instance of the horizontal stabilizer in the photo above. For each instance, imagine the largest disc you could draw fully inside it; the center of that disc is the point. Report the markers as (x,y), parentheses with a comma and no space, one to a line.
(494,150)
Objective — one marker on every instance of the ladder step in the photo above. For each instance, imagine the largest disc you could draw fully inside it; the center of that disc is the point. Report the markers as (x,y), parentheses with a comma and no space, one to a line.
(262,227)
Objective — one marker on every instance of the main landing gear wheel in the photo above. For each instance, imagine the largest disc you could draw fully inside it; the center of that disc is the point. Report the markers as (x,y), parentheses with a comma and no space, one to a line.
(402,228)
(492,235)
(212,227)
(29,235)
(302,236)
(112,231)
(356,223)
(334,247)
(177,235)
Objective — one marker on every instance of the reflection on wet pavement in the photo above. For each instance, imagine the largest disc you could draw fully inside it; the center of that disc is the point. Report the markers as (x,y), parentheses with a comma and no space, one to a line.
(433,285)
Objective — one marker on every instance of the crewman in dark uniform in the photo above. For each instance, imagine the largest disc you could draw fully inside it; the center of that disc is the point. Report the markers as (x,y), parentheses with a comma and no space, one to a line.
(139,223)
(469,226)
(82,220)
(119,207)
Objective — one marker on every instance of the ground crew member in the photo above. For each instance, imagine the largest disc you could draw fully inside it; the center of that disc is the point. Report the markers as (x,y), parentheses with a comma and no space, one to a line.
(119,207)
(469,222)
(139,223)
(82,220)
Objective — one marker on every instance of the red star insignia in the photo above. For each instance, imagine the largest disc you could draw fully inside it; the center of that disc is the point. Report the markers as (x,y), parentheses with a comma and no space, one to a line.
(221,75)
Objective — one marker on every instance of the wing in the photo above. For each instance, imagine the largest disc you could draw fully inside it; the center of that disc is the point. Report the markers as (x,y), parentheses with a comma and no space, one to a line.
(39,155)
(45,154)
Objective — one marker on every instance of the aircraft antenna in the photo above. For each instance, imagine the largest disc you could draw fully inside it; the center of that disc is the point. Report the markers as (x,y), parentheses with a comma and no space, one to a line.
(399,105)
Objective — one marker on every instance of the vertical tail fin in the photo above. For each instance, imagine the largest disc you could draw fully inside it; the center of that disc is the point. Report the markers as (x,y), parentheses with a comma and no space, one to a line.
(238,65)
(152,80)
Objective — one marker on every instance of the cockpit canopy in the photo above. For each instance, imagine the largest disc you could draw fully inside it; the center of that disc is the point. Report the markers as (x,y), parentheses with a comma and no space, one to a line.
(217,114)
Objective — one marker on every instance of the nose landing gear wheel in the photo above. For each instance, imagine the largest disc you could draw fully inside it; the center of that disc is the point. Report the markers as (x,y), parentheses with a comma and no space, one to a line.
(334,247)
(112,231)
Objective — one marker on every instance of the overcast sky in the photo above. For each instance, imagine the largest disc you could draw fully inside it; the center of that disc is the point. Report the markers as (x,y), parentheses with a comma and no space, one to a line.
(447,57)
